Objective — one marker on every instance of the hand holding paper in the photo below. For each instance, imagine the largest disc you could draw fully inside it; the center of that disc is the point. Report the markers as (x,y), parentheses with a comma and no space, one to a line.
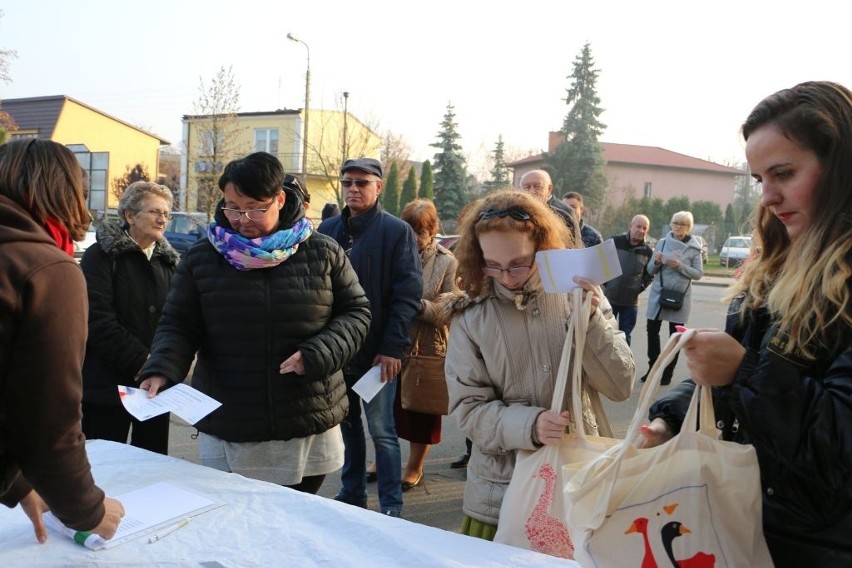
(188,403)
(558,268)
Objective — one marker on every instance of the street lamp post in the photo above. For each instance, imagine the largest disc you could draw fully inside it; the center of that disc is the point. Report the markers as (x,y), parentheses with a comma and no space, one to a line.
(291,37)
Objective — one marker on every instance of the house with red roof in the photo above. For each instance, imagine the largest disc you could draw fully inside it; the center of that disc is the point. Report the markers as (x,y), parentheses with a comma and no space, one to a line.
(652,172)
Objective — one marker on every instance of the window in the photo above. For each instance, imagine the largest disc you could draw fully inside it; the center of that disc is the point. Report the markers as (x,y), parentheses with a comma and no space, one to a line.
(266,140)
(96,166)
(19,134)
(646,192)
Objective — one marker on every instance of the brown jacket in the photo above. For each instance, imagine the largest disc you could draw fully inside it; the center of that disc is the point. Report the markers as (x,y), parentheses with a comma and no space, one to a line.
(429,327)
(43,311)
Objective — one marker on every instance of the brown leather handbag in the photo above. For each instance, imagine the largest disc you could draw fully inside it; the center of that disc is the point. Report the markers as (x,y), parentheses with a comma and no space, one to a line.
(423,384)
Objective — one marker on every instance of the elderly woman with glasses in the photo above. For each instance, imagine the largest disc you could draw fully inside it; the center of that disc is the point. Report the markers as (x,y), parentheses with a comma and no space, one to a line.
(506,339)
(273,310)
(676,263)
(128,273)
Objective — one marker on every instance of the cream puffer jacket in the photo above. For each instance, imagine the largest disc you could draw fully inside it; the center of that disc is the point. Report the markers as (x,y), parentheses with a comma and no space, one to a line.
(504,350)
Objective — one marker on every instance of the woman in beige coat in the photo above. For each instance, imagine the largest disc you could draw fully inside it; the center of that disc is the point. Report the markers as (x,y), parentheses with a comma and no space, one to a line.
(506,339)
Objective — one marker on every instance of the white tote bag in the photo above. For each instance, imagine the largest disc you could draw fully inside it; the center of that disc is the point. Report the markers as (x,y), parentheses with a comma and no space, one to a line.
(692,501)
(531,515)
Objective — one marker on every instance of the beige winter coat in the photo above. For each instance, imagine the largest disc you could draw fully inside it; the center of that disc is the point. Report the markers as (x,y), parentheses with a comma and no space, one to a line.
(503,354)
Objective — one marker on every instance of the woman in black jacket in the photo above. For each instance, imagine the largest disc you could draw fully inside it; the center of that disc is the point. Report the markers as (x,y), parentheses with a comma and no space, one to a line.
(783,371)
(274,310)
(128,273)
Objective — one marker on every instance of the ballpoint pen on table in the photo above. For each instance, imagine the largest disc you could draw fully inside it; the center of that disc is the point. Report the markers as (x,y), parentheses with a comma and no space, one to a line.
(165,532)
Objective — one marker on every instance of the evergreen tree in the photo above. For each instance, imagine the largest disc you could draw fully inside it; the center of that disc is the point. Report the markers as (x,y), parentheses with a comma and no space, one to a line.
(450,169)
(427,189)
(706,213)
(500,177)
(577,164)
(390,193)
(729,220)
(409,189)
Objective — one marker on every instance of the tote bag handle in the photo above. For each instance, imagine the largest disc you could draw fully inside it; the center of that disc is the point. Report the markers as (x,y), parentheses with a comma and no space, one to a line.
(575,341)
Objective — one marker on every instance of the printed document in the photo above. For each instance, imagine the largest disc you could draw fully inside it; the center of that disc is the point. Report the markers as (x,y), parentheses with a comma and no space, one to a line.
(557,268)
(145,510)
(370,384)
(190,404)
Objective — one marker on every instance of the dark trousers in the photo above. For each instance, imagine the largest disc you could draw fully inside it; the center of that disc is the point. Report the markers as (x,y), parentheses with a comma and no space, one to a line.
(654,347)
(626,316)
(309,484)
(111,422)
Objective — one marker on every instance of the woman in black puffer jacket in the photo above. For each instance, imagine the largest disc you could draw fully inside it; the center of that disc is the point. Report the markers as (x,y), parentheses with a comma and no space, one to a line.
(274,311)
(128,272)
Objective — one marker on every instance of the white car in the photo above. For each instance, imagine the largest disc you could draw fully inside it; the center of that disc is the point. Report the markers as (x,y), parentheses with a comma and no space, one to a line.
(88,240)
(735,250)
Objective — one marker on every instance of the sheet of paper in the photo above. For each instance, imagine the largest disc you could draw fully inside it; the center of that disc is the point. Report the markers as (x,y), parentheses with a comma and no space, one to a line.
(673,250)
(190,404)
(558,268)
(370,384)
(145,510)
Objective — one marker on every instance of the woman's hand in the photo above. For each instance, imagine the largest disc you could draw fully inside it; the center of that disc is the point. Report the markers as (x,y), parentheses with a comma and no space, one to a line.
(713,357)
(113,512)
(590,288)
(549,427)
(293,364)
(153,384)
(673,263)
(33,505)
(654,434)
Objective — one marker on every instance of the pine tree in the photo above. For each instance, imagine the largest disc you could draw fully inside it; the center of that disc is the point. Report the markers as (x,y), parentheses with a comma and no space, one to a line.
(729,220)
(578,164)
(499,171)
(450,169)
(390,193)
(427,189)
(409,189)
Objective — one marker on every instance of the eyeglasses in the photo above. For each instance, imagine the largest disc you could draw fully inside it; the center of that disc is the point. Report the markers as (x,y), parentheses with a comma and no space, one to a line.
(157,214)
(516,271)
(359,183)
(679,224)
(515,212)
(537,187)
(234,215)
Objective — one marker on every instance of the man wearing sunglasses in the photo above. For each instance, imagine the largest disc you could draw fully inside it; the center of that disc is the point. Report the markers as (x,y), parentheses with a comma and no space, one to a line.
(383,251)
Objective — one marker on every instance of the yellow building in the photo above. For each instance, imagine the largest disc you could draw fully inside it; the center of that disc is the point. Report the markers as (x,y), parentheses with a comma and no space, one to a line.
(104,145)
(213,141)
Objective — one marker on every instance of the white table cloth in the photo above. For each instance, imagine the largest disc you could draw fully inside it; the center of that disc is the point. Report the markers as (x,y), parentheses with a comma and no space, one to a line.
(260,524)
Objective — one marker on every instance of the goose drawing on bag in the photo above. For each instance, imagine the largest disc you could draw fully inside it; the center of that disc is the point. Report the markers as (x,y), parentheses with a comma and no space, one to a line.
(545,532)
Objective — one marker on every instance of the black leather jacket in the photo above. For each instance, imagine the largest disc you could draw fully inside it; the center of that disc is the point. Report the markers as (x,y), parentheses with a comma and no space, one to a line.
(798,416)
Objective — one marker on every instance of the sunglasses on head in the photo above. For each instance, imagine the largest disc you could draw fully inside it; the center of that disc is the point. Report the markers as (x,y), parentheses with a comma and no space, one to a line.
(359,183)
(515,212)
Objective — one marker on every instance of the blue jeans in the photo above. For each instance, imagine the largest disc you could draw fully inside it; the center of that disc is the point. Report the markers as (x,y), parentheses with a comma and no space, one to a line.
(382,428)
(626,318)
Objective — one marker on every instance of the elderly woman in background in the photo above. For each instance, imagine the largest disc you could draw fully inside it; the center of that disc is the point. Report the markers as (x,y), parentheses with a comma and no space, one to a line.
(274,310)
(428,332)
(128,272)
(675,264)
(505,343)
(43,462)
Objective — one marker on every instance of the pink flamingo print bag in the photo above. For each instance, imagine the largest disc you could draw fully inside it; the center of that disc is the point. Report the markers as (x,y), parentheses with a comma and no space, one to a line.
(532,513)
(692,501)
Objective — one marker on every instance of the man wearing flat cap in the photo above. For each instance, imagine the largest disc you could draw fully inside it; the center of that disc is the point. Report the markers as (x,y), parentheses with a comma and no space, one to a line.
(383,251)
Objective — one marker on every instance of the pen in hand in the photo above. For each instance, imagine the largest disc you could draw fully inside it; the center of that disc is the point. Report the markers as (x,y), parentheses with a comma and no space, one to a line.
(166,532)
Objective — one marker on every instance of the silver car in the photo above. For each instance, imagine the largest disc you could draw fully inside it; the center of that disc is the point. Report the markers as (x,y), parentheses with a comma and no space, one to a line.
(735,250)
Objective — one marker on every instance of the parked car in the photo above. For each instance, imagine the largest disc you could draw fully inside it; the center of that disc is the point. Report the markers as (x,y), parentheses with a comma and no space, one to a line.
(185,228)
(87,241)
(735,250)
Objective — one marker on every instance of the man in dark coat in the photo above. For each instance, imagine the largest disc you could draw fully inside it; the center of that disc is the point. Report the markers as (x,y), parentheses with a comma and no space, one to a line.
(383,251)
(623,291)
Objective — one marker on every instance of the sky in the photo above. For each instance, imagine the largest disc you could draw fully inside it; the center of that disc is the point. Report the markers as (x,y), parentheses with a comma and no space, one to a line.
(677,75)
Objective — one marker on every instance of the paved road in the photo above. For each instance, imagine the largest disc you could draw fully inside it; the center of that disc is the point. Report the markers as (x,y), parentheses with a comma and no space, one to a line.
(438,501)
